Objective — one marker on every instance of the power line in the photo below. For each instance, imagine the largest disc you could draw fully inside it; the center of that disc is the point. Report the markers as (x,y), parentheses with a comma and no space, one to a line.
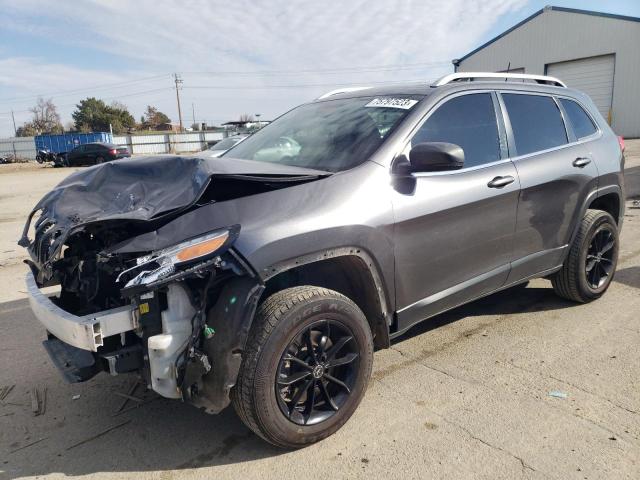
(257,73)
(303,85)
(104,99)
(356,69)
(85,89)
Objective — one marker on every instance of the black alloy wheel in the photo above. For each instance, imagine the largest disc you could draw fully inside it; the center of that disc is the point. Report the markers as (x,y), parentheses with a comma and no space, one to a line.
(591,262)
(305,367)
(599,264)
(317,372)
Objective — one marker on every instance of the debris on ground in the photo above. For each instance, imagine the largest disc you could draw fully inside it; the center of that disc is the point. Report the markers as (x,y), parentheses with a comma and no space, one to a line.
(558,394)
(75,397)
(38,401)
(98,435)
(129,397)
(635,204)
(28,445)
(131,391)
(5,391)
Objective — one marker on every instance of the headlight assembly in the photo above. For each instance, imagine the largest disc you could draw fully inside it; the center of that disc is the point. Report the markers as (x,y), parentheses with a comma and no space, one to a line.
(162,263)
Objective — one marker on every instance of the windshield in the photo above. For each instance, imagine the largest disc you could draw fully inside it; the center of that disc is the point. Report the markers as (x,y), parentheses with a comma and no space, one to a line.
(333,135)
(226,144)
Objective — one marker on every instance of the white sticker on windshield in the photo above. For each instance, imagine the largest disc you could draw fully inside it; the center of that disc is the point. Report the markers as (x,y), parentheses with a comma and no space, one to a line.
(389,102)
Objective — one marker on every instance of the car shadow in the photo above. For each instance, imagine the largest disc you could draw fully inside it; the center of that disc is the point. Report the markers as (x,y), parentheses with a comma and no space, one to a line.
(513,300)
(629,276)
(632,182)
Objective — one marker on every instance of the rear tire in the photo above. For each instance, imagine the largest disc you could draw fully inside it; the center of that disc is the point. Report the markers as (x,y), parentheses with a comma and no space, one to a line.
(591,263)
(99,160)
(294,388)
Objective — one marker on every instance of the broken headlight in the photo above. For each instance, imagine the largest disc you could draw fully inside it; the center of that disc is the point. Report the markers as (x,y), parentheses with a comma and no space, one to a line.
(162,263)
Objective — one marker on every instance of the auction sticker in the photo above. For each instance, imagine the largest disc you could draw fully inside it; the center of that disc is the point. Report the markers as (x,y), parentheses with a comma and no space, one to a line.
(390,102)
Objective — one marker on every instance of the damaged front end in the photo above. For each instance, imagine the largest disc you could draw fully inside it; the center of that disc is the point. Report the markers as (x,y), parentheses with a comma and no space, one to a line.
(176,315)
(157,314)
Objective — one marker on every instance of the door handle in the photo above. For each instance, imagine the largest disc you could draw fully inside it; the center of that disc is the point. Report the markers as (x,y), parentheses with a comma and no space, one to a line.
(581,162)
(500,182)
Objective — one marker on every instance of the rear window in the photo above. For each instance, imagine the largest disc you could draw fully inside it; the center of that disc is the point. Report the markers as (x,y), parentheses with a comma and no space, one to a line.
(580,121)
(536,122)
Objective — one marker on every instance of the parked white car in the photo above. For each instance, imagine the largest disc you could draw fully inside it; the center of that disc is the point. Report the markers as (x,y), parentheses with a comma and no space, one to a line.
(225,144)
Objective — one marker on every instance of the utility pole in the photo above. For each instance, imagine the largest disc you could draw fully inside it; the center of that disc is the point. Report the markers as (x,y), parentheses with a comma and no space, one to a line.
(178,81)
(15,131)
(193,113)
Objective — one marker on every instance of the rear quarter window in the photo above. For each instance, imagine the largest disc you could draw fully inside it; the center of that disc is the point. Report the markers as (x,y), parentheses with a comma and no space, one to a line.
(581,122)
(536,122)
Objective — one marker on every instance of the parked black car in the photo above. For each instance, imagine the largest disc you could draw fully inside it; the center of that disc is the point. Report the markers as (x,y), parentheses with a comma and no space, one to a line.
(94,153)
(267,277)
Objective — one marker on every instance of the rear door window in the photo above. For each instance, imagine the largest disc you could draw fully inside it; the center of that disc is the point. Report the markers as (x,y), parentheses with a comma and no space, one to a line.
(581,122)
(536,122)
(468,121)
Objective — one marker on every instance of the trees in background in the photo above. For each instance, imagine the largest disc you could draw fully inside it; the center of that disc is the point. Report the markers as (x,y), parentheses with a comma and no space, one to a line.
(26,130)
(90,115)
(153,118)
(45,119)
(93,115)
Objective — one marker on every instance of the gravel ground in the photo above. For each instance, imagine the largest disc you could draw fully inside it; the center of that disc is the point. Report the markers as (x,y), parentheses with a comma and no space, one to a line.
(465,395)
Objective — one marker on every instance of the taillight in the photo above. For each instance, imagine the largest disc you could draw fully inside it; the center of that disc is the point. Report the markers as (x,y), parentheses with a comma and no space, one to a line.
(621,142)
(113,151)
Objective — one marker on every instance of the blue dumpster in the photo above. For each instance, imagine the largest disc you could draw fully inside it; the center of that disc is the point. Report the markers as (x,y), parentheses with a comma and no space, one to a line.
(66,142)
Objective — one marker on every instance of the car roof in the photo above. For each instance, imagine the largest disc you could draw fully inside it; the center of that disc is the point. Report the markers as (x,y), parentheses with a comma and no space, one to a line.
(102,144)
(426,89)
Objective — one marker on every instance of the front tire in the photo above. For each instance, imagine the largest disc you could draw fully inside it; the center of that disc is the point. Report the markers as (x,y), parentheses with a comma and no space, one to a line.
(306,366)
(590,266)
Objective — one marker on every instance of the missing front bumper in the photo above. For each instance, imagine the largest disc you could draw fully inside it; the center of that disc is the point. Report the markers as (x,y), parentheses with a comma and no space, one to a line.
(86,332)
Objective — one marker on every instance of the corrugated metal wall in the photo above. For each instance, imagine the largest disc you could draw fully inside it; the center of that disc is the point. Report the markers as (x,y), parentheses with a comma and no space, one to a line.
(167,143)
(24,147)
(21,147)
(559,36)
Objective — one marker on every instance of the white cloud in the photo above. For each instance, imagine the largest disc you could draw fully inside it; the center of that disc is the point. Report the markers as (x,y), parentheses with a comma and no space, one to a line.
(165,36)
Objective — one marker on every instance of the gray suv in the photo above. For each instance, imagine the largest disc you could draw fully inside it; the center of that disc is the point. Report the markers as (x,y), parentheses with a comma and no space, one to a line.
(268,281)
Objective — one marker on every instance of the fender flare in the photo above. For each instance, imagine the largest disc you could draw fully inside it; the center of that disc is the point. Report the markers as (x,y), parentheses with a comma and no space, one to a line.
(383,294)
(589,199)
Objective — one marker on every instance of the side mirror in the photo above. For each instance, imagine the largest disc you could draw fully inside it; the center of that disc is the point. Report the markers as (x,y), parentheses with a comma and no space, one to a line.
(436,157)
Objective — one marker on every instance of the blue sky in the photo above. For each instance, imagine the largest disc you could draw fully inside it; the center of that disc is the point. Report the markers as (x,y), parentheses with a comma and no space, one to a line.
(246,56)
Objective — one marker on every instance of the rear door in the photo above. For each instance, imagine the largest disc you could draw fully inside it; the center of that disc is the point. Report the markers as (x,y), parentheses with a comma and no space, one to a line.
(454,229)
(556,174)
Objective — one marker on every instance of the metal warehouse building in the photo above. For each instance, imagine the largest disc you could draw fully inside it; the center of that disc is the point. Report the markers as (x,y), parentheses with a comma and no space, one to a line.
(597,53)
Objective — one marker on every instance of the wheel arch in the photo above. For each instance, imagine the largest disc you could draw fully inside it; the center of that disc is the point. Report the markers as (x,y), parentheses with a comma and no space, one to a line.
(350,271)
(608,199)
(608,202)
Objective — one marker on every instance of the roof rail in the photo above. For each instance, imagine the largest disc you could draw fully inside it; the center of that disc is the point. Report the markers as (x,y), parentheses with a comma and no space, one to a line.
(342,90)
(471,76)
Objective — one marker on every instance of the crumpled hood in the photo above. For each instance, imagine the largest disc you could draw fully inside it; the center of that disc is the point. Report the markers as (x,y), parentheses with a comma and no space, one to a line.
(138,189)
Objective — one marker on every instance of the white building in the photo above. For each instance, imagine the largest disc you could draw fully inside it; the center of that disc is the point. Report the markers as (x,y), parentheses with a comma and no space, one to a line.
(597,53)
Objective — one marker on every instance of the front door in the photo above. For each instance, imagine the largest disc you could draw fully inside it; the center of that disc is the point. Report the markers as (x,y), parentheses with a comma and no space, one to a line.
(454,229)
